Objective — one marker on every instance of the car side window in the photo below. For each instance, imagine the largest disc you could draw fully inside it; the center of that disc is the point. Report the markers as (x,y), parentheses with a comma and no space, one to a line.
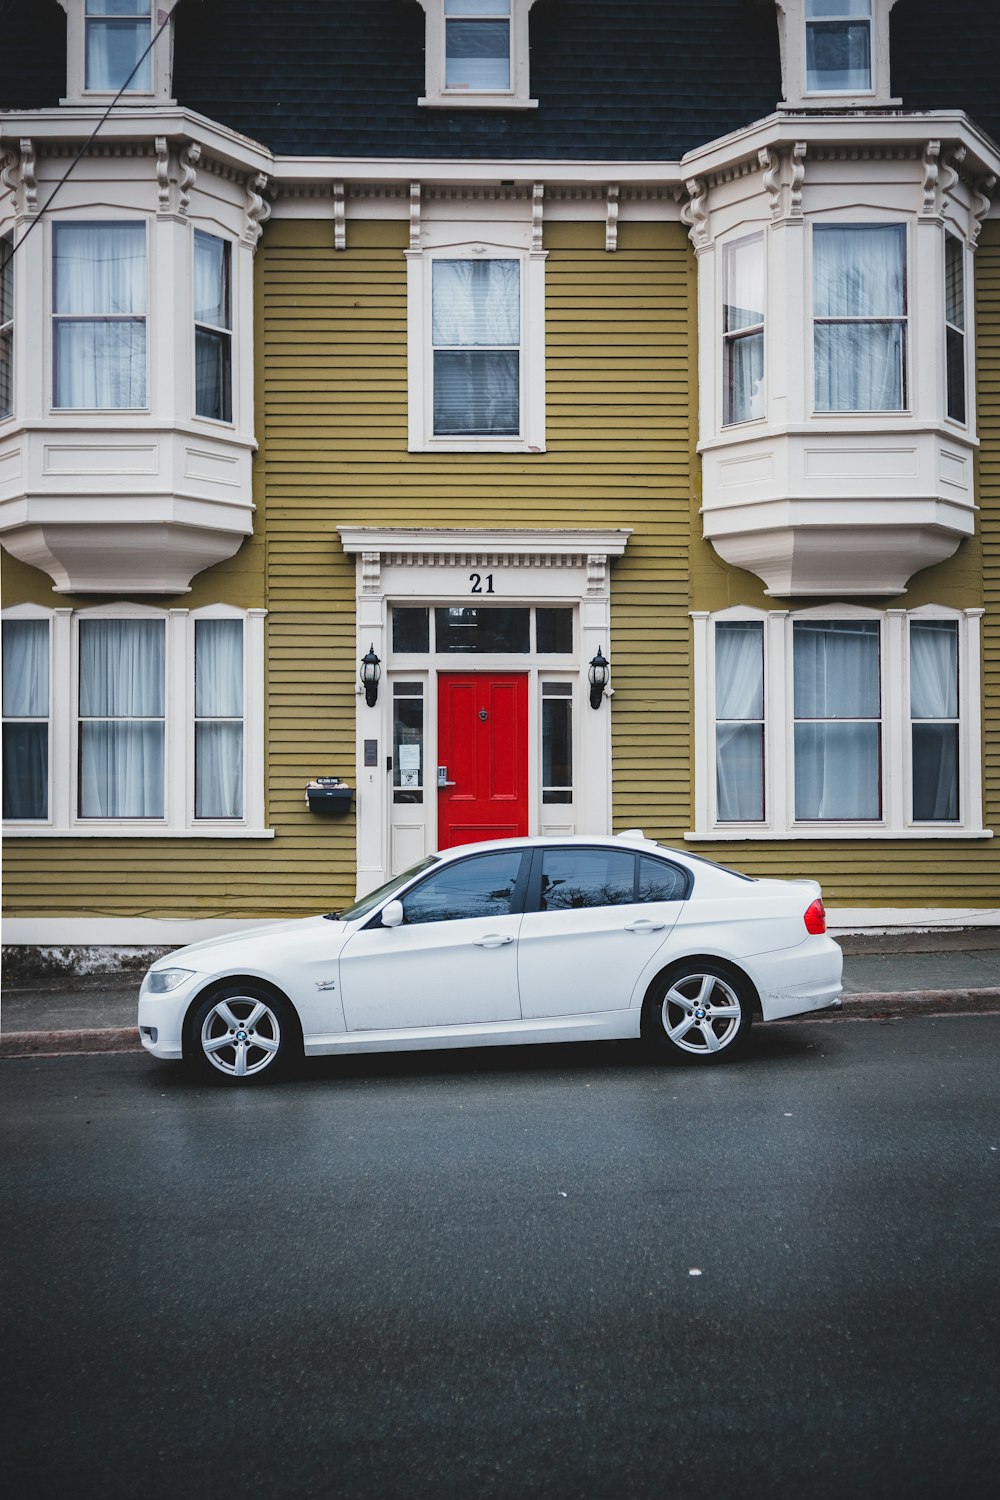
(479,887)
(572,878)
(659,881)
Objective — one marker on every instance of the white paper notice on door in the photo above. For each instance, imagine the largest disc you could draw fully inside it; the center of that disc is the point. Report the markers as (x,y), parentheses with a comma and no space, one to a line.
(408,757)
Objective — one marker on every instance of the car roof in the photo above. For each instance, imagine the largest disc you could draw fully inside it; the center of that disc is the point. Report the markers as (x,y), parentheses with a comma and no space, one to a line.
(632,838)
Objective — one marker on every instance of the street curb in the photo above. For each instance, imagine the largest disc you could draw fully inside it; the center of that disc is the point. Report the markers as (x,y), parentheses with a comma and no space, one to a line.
(126,1038)
(98,1039)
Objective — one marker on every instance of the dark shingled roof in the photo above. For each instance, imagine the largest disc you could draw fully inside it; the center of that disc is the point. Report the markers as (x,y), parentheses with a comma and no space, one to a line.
(615,79)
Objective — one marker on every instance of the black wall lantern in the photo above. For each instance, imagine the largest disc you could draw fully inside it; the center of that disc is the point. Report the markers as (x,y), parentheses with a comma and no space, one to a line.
(598,676)
(371,671)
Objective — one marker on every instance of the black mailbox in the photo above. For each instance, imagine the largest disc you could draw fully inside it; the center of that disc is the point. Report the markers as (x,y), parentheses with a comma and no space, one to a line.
(328,795)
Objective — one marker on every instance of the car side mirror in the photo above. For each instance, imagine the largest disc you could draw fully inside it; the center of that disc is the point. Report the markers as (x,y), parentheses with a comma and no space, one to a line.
(392,914)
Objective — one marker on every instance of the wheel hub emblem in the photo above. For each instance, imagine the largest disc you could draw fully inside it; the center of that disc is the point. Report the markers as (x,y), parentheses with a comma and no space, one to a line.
(242,1036)
(700,1014)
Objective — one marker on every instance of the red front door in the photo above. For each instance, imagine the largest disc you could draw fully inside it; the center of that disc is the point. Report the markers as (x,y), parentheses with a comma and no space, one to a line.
(483,744)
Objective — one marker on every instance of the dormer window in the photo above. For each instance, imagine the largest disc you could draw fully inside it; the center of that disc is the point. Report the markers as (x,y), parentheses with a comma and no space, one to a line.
(834,52)
(838,46)
(477,54)
(117,46)
(118,33)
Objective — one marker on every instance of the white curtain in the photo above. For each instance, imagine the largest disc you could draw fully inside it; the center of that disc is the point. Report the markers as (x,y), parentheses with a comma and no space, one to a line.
(219,719)
(25,697)
(859,274)
(837,764)
(934,695)
(115,44)
(121,711)
(477,312)
(100,327)
(739,695)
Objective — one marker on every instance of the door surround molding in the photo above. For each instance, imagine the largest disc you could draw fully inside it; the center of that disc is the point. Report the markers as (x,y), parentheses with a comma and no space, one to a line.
(431,566)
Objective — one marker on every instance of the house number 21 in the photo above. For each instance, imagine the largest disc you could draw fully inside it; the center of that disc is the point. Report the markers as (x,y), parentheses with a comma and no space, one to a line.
(476,579)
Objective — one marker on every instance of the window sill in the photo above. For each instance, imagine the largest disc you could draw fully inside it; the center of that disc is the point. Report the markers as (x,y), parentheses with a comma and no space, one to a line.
(132,831)
(475,101)
(737,834)
(477,445)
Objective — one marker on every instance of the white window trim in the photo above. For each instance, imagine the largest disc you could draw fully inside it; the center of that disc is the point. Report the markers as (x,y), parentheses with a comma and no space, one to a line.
(178,820)
(420,354)
(779,820)
(792,40)
(436,96)
(162,59)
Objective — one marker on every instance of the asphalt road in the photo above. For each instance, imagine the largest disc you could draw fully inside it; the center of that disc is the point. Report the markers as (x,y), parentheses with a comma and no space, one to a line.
(552,1272)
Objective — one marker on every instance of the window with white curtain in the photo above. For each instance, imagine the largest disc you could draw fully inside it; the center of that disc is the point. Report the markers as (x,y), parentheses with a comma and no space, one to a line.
(838,720)
(859,317)
(743,330)
(477,45)
(476,337)
(133,718)
(99,315)
(848,722)
(218,718)
(838,46)
(739,721)
(122,718)
(6,324)
(954,320)
(25,719)
(117,34)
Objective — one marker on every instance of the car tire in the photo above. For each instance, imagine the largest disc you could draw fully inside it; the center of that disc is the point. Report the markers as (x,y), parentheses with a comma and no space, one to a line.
(699,1012)
(243,1033)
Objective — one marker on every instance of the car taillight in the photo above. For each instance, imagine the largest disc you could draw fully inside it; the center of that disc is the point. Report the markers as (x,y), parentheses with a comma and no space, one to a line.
(815,918)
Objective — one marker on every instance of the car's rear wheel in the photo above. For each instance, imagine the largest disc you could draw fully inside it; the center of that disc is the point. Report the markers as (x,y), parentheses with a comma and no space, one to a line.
(241,1033)
(701,1012)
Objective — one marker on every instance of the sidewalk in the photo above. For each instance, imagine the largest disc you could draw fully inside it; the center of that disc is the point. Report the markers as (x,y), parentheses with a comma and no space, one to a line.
(885,977)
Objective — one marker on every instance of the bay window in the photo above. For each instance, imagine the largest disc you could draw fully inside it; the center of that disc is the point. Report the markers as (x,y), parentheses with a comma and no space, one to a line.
(213,323)
(743,330)
(859,317)
(838,46)
(150,721)
(954,321)
(25,719)
(117,34)
(99,316)
(838,722)
(6,324)
(476,336)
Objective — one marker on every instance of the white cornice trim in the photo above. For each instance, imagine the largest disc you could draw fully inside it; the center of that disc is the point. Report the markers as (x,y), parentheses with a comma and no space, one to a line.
(461,541)
(129,122)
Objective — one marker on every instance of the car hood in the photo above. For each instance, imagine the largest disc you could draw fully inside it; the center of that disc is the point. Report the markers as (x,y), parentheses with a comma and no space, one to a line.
(216,952)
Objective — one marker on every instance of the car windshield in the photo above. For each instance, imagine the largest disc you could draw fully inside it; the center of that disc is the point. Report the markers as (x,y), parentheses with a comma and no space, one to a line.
(368,903)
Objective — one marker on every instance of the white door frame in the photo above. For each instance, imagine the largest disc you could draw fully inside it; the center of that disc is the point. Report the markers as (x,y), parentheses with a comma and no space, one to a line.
(434,567)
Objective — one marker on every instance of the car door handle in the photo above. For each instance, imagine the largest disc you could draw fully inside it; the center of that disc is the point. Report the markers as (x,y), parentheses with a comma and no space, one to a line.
(492,940)
(643,924)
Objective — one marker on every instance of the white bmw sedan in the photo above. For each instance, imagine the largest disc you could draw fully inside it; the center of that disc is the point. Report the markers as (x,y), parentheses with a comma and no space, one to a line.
(521,940)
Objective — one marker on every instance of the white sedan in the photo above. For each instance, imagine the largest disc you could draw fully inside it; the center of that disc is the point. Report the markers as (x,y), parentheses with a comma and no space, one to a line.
(521,940)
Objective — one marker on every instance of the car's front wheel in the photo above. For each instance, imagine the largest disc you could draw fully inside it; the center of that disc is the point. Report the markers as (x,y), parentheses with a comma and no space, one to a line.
(699,1012)
(242,1032)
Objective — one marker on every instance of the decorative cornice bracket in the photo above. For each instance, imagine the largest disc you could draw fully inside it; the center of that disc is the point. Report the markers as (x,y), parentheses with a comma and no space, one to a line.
(611,218)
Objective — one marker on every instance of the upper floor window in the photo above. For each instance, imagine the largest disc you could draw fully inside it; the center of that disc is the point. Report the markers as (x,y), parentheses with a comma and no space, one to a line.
(99,316)
(6,324)
(118,34)
(743,330)
(213,322)
(477,53)
(838,46)
(954,319)
(26,719)
(859,312)
(476,336)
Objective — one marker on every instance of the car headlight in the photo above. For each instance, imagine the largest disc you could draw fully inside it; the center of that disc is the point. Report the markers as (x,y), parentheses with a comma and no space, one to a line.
(162,981)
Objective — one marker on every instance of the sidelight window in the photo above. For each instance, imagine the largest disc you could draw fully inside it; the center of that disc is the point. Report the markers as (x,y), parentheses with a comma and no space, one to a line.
(743,330)
(6,324)
(213,323)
